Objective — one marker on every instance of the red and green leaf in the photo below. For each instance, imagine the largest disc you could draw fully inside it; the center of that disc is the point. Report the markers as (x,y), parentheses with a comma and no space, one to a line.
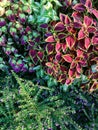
(81,45)
(95,40)
(58,57)
(73,64)
(40,55)
(64,47)
(62,17)
(49,48)
(67,20)
(49,71)
(61,36)
(88,4)
(88,21)
(77,25)
(79,7)
(68,81)
(91,29)
(50,39)
(81,34)
(87,43)
(95,12)
(58,47)
(68,58)
(79,68)
(59,27)
(72,72)
(32,53)
(49,64)
(70,41)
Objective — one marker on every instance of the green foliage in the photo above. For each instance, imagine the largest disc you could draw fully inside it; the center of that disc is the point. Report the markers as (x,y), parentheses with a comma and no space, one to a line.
(21,32)
(39,113)
(35,100)
(43,11)
(32,106)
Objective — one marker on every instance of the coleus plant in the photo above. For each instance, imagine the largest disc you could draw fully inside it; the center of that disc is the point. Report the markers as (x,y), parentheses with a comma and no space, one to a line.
(20,33)
(72,45)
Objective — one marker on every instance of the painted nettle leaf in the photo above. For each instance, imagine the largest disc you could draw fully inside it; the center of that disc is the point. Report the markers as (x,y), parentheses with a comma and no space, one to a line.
(79,44)
(37,36)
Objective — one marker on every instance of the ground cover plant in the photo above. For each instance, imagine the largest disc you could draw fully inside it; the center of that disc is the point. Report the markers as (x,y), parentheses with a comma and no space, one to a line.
(48,65)
(31,106)
(20,31)
(73,45)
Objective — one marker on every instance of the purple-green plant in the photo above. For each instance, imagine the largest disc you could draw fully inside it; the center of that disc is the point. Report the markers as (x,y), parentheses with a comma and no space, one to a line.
(20,32)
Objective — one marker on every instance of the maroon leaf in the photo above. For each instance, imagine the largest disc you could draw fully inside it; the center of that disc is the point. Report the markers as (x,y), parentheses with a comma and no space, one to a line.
(50,71)
(68,2)
(79,53)
(62,78)
(59,27)
(31,43)
(71,72)
(83,1)
(49,48)
(48,34)
(78,68)
(67,20)
(77,59)
(94,75)
(88,21)
(70,41)
(93,87)
(50,39)
(55,68)
(77,25)
(68,58)
(96,48)
(63,68)
(40,55)
(81,34)
(64,47)
(61,36)
(35,60)
(44,25)
(68,81)
(73,64)
(83,62)
(77,17)
(79,7)
(87,42)
(71,30)
(49,64)
(95,12)
(91,29)
(90,50)
(95,59)
(58,47)
(58,57)
(37,39)
(50,57)
(32,53)
(88,4)
(95,40)
(78,75)
(81,45)
(62,17)
(94,22)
